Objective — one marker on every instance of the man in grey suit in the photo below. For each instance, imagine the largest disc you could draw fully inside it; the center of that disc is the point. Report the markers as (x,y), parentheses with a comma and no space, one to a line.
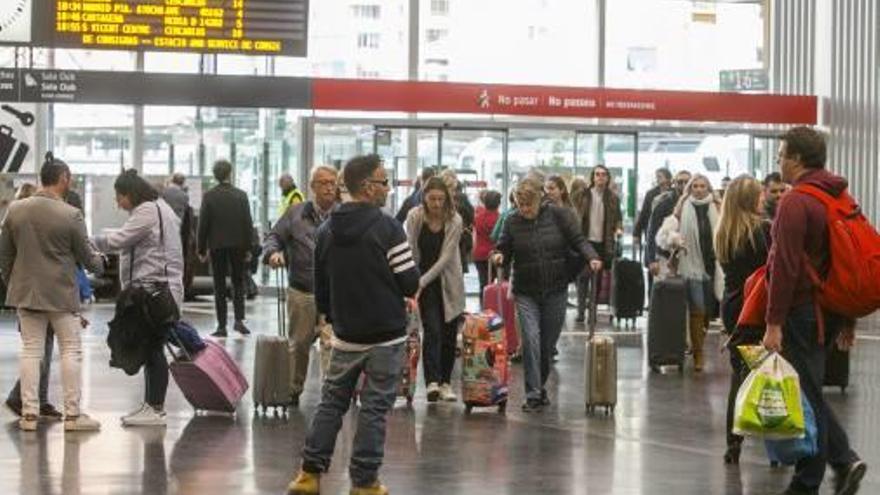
(41,242)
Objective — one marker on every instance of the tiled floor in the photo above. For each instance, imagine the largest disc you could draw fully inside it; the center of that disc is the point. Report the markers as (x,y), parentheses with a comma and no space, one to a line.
(666,437)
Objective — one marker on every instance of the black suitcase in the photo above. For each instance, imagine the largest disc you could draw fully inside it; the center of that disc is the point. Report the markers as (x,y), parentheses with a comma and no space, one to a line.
(836,368)
(667,323)
(627,290)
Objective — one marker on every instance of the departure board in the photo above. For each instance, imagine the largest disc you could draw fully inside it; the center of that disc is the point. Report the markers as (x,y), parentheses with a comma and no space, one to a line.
(256,27)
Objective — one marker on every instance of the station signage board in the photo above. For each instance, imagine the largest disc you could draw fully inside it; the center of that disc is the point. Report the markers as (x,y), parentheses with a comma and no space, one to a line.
(232,92)
(249,27)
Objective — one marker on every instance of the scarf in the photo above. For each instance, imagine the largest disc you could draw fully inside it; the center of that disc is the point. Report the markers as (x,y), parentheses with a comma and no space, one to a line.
(691,265)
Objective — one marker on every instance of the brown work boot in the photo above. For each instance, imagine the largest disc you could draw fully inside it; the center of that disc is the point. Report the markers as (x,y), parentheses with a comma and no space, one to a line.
(305,484)
(698,335)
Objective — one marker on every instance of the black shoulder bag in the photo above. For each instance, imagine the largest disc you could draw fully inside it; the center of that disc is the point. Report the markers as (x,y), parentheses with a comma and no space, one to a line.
(161,309)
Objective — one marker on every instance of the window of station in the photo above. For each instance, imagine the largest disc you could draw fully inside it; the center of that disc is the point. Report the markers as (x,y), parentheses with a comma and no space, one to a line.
(681,45)
(93,139)
(562,30)
(94,60)
(366,11)
(368,40)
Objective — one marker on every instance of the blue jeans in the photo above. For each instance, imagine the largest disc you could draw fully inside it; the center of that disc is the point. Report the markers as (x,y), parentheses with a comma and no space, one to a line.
(800,346)
(541,319)
(382,366)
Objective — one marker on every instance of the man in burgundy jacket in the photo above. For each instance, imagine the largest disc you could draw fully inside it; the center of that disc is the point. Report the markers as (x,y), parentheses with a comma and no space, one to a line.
(792,328)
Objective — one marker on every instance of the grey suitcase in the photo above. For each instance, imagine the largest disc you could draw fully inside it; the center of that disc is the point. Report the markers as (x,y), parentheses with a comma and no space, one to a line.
(600,366)
(272,361)
(667,323)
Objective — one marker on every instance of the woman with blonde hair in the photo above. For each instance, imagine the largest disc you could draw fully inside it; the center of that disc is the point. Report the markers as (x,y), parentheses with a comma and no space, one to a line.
(691,227)
(536,242)
(742,242)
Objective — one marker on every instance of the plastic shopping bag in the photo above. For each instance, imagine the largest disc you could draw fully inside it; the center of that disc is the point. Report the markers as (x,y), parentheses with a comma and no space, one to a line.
(789,452)
(753,355)
(768,403)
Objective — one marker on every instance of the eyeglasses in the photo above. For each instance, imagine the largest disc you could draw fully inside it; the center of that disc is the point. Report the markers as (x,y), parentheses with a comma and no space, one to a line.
(324,183)
(384,182)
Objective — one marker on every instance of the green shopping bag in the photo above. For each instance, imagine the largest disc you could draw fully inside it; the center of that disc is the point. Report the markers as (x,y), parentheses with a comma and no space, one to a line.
(768,403)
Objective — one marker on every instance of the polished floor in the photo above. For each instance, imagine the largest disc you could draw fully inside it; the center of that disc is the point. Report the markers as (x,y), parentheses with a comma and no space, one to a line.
(665,438)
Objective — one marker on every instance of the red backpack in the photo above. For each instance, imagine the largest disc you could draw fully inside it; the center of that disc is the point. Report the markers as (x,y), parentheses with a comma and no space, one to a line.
(852,287)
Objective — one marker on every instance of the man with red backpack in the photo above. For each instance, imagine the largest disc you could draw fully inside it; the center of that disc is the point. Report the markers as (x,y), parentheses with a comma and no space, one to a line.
(796,326)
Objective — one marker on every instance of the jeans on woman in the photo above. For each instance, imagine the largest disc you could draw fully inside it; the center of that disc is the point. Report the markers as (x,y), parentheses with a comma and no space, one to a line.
(541,318)
(440,337)
(156,378)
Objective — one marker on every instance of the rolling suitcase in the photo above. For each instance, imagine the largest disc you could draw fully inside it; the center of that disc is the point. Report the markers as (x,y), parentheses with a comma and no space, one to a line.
(484,363)
(836,368)
(409,375)
(210,379)
(497,297)
(600,368)
(627,289)
(667,323)
(272,360)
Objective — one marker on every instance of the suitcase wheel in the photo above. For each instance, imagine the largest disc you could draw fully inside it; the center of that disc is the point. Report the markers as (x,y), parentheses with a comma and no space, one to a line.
(502,407)
(468,408)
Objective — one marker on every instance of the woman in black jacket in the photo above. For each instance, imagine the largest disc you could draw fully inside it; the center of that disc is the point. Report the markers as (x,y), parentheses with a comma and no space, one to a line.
(742,242)
(539,240)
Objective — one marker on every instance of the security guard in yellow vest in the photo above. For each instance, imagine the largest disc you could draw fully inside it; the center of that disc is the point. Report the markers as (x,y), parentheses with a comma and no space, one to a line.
(290,195)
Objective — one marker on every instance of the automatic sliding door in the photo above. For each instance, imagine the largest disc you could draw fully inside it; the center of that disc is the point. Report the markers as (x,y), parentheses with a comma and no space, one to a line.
(392,144)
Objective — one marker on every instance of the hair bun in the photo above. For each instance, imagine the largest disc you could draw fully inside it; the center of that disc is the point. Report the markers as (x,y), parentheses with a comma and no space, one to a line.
(50,157)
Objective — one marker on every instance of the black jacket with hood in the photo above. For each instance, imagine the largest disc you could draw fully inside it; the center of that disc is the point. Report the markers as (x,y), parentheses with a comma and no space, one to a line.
(363,271)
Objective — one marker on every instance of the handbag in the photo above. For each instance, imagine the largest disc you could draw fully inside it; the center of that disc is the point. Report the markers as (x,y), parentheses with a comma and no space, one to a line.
(161,309)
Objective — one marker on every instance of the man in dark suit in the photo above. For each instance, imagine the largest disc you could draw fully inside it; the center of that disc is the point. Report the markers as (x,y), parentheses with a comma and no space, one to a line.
(226,229)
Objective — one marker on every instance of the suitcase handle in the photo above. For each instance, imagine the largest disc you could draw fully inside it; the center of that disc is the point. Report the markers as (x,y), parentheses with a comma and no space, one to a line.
(280,307)
(594,301)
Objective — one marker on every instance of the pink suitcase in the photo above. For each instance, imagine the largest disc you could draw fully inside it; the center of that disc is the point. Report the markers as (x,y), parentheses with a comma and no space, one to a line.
(210,380)
(497,298)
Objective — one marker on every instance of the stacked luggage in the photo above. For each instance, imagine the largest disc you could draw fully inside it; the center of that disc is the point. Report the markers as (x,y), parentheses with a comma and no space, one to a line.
(484,364)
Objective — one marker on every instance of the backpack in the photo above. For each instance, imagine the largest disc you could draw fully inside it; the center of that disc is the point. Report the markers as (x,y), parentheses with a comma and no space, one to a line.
(852,286)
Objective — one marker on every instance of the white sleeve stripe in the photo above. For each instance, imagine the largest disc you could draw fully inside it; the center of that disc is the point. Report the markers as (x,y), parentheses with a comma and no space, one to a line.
(406,266)
(398,249)
(400,259)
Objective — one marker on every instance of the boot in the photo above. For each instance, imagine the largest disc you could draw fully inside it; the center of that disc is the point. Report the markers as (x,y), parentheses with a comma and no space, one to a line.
(698,335)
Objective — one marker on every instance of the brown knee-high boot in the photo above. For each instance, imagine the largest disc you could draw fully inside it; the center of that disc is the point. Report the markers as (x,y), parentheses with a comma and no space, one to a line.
(698,335)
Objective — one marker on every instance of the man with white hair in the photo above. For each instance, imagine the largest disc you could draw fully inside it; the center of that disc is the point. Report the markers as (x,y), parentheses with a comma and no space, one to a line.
(292,243)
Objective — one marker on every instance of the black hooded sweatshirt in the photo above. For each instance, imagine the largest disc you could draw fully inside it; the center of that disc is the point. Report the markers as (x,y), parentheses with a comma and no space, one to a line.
(363,271)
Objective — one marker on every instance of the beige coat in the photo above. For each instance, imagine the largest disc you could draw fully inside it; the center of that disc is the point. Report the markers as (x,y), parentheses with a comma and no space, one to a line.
(41,241)
(447,267)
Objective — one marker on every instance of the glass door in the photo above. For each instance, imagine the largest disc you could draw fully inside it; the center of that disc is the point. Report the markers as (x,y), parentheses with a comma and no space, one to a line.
(763,155)
(405,151)
(618,153)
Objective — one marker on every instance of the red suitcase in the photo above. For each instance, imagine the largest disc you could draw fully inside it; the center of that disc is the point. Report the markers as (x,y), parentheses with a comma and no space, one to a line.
(498,298)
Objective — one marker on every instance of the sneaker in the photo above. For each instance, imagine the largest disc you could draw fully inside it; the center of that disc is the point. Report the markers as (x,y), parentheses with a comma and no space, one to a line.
(220,333)
(446,393)
(81,423)
(433,392)
(48,411)
(532,405)
(305,484)
(240,328)
(849,478)
(28,422)
(14,406)
(133,413)
(375,489)
(148,416)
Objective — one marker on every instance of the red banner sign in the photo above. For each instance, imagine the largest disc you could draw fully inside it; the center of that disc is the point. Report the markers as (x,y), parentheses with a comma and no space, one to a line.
(548,101)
